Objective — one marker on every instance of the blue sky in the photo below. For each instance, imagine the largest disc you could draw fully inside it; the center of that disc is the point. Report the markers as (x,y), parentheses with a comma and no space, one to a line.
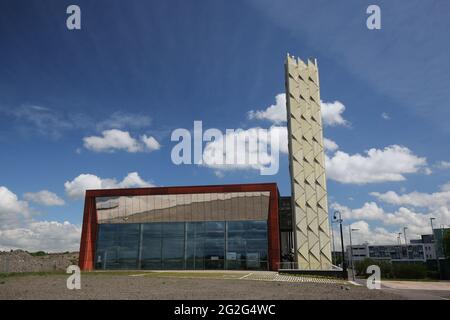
(147,68)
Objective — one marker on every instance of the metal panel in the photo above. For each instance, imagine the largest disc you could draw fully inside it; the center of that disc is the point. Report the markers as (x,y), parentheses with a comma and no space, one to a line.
(307,165)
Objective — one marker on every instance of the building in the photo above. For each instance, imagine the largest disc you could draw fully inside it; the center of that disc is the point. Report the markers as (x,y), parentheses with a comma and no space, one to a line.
(438,235)
(200,227)
(428,245)
(411,253)
(307,166)
(228,226)
(286,236)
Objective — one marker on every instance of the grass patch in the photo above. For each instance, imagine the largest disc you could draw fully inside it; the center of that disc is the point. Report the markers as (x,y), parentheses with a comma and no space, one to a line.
(168,274)
(38,253)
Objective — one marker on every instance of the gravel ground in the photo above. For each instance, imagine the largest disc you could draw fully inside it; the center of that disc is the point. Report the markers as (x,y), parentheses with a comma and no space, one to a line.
(96,286)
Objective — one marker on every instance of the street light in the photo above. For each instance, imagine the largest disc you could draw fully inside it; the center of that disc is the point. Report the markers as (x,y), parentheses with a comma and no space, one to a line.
(334,248)
(435,247)
(338,218)
(350,229)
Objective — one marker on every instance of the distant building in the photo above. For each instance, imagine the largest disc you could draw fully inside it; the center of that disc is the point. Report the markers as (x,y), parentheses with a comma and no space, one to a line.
(413,252)
(438,235)
(428,244)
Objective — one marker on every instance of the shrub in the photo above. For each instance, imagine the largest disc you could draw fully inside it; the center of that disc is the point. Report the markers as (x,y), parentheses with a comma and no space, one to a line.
(409,271)
(393,271)
(385,267)
(38,253)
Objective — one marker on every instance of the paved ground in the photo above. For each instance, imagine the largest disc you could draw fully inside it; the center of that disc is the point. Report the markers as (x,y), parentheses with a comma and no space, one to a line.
(415,290)
(419,289)
(184,285)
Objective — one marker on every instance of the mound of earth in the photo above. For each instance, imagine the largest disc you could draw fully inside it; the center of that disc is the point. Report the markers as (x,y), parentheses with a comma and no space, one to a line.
(22,261)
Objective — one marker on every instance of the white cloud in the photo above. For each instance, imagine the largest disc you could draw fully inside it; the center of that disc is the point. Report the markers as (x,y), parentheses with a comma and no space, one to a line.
(443,165)
(385,116)
(215,153)
(446,186)
(41,120)
(330,145)
(115,139)
(388,164)
(332,114)
(219,174)
(371,235)
(78,186)
(11,208)
(416,199)
(150,143)
(122,120)
(369,211)
(276,113)
(53,123)
(49,236)
(132,180)
(18,230)
(417,223)
(44,197)
(9,202)
(377,165)
(364,234)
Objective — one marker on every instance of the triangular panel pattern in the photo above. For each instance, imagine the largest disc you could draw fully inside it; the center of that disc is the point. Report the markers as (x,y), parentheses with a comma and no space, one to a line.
(307,165)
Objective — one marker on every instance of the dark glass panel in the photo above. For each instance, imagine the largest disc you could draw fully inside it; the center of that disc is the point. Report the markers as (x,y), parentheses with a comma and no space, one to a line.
(173,245)
(247,245)
(151,246)
(117,246)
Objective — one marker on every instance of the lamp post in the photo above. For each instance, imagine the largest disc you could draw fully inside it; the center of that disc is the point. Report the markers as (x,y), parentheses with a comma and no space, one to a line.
(350,229)
(334,248)
(435,247)
(338,218)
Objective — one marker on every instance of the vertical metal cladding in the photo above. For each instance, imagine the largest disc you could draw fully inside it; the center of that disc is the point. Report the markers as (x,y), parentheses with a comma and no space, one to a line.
(307,165)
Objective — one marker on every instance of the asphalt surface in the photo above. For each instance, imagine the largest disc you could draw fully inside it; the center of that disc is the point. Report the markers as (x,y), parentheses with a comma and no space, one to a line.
(106,286)
(419,290)
(415,290)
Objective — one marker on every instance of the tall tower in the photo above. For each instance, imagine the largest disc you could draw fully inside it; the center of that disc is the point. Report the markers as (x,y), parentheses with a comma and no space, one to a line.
(307,166)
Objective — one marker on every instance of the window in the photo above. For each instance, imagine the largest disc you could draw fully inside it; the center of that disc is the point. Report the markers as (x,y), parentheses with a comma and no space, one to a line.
(117,246)
(183,245)
(247,245)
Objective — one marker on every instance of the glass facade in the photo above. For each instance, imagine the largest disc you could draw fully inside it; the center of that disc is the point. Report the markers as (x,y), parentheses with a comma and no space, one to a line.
(183,245)
(400,252)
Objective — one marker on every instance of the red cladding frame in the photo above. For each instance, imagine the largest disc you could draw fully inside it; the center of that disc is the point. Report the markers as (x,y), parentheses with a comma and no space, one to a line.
(90,226)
